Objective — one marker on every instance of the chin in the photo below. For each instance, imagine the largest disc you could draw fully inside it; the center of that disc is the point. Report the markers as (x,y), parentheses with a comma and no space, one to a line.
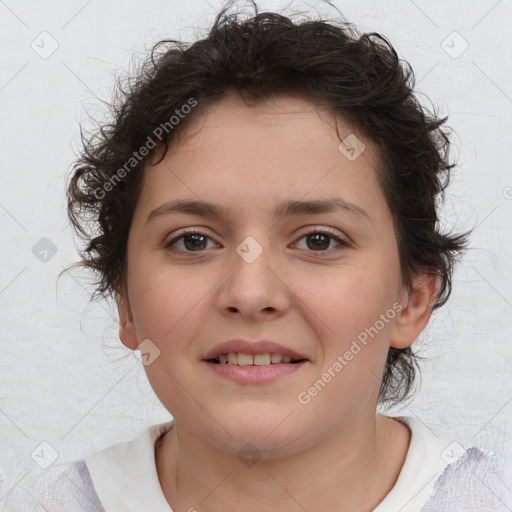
(267,432)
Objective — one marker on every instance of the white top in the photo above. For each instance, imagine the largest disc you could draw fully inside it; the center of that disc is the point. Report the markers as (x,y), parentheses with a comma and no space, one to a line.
(439,474)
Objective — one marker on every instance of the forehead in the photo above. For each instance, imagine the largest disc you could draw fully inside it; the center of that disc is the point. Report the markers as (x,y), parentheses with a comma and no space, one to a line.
(284,148)
(293,115)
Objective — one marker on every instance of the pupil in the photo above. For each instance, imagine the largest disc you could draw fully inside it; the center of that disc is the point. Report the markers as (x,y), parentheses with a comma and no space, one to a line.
(195,238)
(321,238)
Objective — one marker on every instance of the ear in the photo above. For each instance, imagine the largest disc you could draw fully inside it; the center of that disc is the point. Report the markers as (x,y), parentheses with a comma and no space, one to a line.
(416,310)
(127,333)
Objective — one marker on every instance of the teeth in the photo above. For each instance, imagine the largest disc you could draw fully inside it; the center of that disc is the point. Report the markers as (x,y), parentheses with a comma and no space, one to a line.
(242,359)
(261,359)
(276,358)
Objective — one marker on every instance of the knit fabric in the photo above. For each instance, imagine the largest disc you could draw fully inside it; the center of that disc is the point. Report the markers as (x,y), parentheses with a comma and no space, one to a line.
(64,488)
(478,481)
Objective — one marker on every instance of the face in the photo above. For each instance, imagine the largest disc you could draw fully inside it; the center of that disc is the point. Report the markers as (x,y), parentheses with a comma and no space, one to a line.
(314,282)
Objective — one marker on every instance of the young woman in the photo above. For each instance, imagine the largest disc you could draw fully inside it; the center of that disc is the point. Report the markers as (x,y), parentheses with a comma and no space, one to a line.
(265,212)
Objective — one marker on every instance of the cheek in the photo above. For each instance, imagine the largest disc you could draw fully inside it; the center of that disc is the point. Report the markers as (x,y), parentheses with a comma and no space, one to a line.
(164,301)
(356,294)
(166,306)
(357,308)
(360,318)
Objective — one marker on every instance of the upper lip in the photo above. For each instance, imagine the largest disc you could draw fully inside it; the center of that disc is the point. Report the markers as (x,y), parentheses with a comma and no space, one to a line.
(251,347)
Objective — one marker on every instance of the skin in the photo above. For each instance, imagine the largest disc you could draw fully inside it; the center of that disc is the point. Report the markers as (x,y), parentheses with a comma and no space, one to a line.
(334,453)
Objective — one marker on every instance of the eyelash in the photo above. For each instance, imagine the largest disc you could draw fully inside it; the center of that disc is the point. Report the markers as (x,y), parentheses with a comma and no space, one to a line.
(310,231)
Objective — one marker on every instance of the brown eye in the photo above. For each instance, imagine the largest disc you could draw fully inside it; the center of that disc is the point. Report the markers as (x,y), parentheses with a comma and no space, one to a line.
(318,240)
(193,241)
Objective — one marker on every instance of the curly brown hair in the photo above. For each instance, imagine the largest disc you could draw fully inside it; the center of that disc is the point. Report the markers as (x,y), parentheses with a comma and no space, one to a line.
(358,76)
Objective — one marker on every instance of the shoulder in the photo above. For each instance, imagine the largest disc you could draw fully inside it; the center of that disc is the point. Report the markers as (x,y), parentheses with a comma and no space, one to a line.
(62,488)
(441,474)
(477,480)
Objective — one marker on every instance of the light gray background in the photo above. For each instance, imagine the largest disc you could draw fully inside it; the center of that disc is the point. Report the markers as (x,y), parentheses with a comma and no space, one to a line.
(65,377)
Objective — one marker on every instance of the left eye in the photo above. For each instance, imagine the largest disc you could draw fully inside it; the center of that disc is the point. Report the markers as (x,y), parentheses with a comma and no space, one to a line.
(320,240)
(316,240)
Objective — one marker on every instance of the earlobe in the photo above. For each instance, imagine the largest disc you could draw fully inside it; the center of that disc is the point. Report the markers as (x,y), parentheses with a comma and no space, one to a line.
(416,311)
(127,332)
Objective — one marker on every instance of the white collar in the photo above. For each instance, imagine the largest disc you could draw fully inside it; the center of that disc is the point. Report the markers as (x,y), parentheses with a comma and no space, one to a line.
(125,477)
(126,480)
(427,457)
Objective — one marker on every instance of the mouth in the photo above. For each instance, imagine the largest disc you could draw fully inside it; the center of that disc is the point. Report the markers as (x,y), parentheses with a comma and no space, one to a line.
(263,359)
(248,361)
(255,369)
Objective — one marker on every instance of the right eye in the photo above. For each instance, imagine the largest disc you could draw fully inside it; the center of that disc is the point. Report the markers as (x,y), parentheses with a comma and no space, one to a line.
(193,241)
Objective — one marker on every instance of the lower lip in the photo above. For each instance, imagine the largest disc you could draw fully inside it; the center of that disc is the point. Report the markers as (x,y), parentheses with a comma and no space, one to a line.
(253,374)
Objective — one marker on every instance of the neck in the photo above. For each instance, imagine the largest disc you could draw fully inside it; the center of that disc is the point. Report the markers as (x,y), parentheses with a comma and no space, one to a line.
(352,469)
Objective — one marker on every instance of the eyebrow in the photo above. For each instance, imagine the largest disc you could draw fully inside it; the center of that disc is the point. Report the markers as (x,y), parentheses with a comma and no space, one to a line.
(288,208)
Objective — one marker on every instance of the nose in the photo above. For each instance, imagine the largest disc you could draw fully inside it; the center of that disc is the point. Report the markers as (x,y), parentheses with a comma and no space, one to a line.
(255,287)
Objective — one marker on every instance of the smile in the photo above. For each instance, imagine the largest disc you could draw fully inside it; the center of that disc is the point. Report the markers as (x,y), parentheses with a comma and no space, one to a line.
(243,359)
(246,369)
